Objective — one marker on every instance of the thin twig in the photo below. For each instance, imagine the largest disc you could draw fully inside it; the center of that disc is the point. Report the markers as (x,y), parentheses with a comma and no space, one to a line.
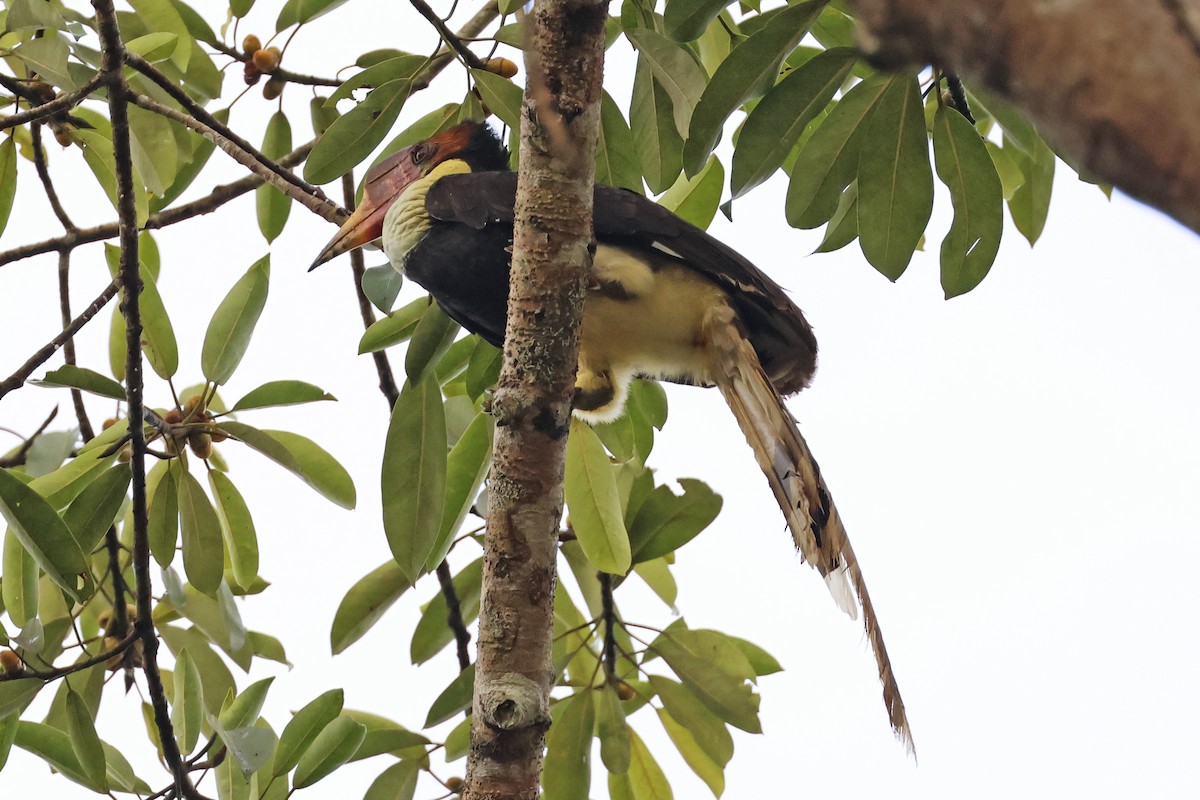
(55,674)
(112,65)
(55,106)
(387,380)
(278,72)
(250,158)
(43,353)
(18,457)
(448,36)
(204,205)
(454,616)
(39,162)
(64,307)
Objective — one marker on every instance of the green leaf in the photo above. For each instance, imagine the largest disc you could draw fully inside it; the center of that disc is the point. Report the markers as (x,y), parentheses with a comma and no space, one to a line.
(397,782)
(65,483)
(233,323)
(19,587)
(382,285)
(1030,203)
(203,553)
(502,96)
(154,46)
(646,778)
(153,148)
(665,522)
(271,204)
(365,603)
(163,521)
(281,393)
(84,742)
(98,153)
(44,535)
(432,632)
(657,575)
(895,181)
(237,529)
(965,167)
(430,339)
(298,12)
(246,707)
(84,379)
(712,773)
(304,727)
(774,126)
(385,736)
(656,140)
(16,694)
(828,161)
(54,747)
(158,335)
(709,732)
(414,475)
(8,732)
(301,456)
(843,225)
(590,490)
(187,709)
(466,467)
(483,367)
(8,179)
(675,69)
(616,157)
(190,169)
(240,8)
(685,20)
(92,513)
(161,15)
(723,693)
(331,748)
(398,65)
(394,328)
(353,136)
(612,730)
(454,698)
(695,199)
(251,748)
(567,773)
(47,56)
(762,662)
(749,70)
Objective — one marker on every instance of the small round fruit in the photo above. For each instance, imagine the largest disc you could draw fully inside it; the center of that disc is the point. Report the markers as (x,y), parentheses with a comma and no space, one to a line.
(195,403)
(173,417)
(251,44)
(108,423)
(11,663)
(455,784)
(217,434)
(503,67)
(273,88)
(62,135)
(201,443)
(126,454)
(266,60)
(251,73)
(625,691)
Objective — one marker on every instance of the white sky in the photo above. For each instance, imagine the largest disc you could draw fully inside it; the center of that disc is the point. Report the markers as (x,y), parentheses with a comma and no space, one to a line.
(1016,468)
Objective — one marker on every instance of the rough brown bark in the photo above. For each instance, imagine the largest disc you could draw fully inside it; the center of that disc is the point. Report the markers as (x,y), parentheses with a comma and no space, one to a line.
(532,403)
(1113,85)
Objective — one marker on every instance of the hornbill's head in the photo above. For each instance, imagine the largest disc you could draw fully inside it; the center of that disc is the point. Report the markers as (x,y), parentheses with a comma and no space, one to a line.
(472,143)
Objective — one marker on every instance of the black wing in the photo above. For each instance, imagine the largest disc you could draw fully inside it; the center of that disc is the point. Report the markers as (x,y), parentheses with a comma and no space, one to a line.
(774,324)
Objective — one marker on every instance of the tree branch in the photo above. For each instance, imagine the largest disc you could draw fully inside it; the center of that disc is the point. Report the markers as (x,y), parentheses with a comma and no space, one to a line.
(532,402)
(39,162)
(55,106)
(43,353)
(18,457)
(448,36)
(204,205)
(129,277)
(454,617)
(1113,106)
(64,309)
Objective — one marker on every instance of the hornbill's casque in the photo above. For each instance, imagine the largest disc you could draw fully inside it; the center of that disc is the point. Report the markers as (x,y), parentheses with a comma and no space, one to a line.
(665,300)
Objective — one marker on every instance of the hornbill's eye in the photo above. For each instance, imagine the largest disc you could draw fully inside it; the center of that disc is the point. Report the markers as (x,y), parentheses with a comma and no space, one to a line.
(419,153)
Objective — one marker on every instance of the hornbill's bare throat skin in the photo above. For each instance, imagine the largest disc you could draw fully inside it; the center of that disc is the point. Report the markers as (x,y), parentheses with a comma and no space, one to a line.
(665,300)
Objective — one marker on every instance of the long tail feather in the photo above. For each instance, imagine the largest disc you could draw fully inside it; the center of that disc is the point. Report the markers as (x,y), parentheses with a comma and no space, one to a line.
(796,480)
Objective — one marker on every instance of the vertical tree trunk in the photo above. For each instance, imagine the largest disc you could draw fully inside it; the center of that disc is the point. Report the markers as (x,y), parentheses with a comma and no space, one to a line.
(532,403)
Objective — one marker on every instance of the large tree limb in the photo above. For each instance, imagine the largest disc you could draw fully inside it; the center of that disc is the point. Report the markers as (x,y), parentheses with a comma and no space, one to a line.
(1113,85)
(532,404)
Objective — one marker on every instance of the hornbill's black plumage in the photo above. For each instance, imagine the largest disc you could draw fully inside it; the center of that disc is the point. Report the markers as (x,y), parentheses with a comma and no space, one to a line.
(665,300)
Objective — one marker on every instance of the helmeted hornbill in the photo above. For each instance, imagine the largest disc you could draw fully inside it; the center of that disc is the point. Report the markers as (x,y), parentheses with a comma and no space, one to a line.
(665,300)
